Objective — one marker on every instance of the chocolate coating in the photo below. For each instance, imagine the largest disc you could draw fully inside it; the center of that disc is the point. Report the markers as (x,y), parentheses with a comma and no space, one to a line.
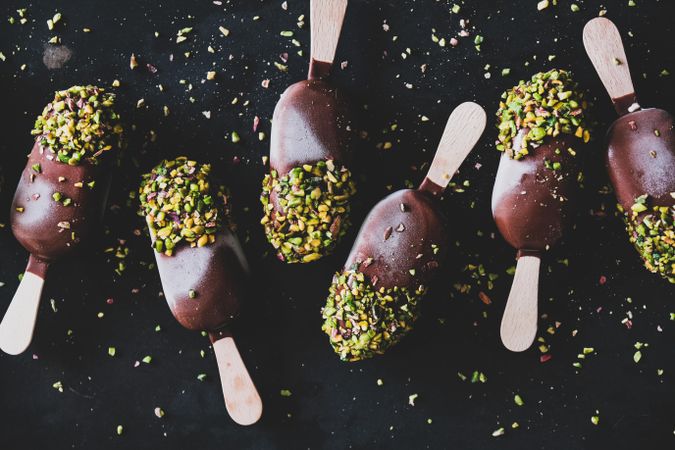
(217,273)
(311,123)
(640,162)
(400,238)
(45,226)
(532,204)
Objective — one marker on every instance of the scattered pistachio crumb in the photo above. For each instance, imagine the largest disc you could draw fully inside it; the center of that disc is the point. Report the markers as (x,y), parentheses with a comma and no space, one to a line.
(595,419)
(411,399)
(637,356)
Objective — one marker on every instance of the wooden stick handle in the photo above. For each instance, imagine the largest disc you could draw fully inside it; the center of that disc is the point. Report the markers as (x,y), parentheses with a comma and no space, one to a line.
(242,400)
(16,328)
(605,49)
(462,131)
(326,18)
(519,322)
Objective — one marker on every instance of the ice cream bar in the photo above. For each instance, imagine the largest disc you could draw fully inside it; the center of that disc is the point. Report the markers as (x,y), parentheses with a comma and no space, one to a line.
(61,195)
(214,274)
(640,154)
(542,129)
(306,196)
(202,267)
(531,200)
(374,300)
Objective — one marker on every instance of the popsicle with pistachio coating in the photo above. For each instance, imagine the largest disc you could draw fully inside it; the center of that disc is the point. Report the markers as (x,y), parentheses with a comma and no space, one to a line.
(374,300)
(61,195)
(203,269)
(543,131)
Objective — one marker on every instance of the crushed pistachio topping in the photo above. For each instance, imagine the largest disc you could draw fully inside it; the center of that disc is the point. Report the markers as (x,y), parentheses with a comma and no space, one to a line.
(179,204)
(312,213)
(547,105)
(362,320)
(652,232)
(79,123)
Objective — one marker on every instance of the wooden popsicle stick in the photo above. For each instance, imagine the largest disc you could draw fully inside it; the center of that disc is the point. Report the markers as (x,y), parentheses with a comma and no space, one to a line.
(242,400)
(326,17)
(462,131)
(605,49)
(18,325)
(519,322)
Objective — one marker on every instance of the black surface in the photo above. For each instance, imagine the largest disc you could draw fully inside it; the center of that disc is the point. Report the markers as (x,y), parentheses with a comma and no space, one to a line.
(333,404)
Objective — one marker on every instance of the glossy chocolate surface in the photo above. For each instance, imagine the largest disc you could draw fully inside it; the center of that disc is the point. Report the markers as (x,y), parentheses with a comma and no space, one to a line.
(311,122)
(216,273)
(45,226)
(532,204)
(641,157)
(399,235)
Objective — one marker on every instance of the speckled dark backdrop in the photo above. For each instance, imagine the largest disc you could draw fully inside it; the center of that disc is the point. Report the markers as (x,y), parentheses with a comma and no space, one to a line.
(333,404)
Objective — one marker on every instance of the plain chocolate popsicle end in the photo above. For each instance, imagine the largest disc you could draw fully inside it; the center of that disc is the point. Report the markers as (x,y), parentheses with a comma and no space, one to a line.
(204,286)
(641,157)
(49,228)
(533,199)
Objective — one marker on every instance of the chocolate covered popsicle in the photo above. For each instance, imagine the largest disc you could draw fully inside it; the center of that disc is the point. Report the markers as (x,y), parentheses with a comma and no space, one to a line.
(306,194)
(61,195)
(202,267)
(542,130)
(375,299)
(640,154)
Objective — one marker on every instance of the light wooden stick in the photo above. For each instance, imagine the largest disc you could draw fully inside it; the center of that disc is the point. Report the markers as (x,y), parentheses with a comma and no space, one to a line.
(462,131)
(242,400)
(519,322)
(326,17)
(16,328)
(603,45)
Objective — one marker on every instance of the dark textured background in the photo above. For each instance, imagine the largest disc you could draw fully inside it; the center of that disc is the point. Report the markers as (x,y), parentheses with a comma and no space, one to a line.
(333,404)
